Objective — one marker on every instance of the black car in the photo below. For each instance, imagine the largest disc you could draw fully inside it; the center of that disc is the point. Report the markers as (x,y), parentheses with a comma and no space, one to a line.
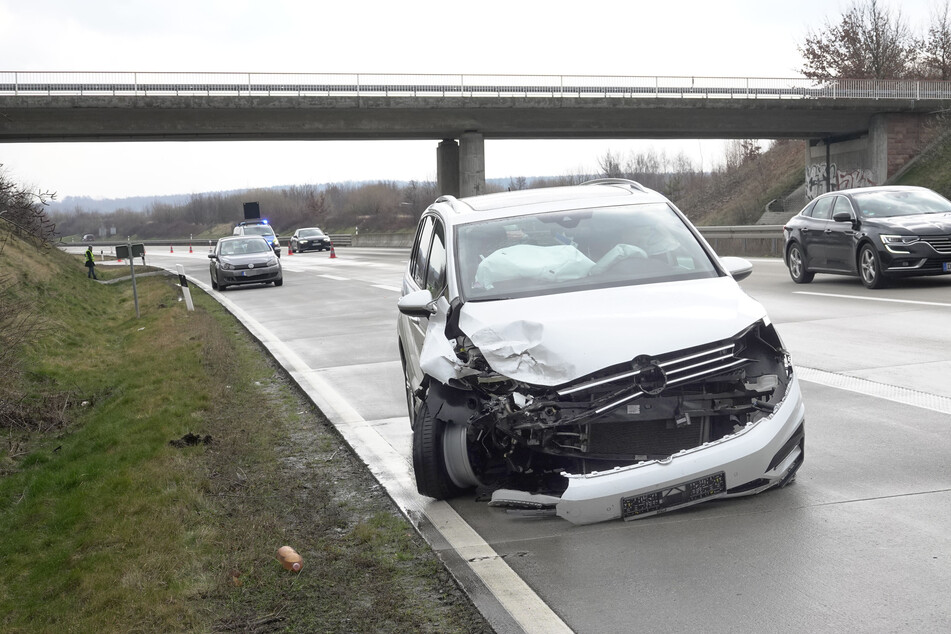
(875,233)
(309,238)
(244,260)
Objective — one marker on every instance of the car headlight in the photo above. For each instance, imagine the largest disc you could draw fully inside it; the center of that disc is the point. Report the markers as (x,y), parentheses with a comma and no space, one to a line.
(895,243)
(272,261)
(227,266)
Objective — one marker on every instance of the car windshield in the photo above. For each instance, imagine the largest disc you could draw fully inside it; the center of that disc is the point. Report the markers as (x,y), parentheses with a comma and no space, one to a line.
(896,202)
(244,247)
(310,233)
(259,230)
(575,250)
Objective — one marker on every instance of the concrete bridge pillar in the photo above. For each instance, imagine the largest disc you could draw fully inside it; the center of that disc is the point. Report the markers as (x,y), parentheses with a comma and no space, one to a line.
(447,168)
(471,164)
(863,160)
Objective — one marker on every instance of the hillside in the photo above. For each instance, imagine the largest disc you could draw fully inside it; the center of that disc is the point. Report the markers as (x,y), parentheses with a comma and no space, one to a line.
(740,196)
(931,168)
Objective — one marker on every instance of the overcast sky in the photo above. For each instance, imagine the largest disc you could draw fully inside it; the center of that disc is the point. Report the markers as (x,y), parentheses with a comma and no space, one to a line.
(721,38)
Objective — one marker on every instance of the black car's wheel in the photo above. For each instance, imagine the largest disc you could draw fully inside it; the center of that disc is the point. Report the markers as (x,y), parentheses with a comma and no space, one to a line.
(797,265)
(214,283)
(870,268)
(440,457)
(279,282)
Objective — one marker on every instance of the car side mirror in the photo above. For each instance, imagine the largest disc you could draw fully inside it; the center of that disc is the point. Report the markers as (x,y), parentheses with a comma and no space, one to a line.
(738,268)
(417,304)
(212,256)
(842,216)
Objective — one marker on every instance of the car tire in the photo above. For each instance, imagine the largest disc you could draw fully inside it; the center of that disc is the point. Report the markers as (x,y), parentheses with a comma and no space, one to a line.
(214,284)
(429,457)
(797,265)
(870,267)
(279,282)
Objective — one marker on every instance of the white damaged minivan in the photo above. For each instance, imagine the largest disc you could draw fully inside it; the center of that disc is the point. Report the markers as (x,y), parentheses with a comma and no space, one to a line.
(582,351)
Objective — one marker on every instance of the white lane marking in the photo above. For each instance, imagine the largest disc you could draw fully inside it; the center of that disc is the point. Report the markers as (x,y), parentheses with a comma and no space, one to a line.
(903,395)
(874,299)
(392,470)
(334,277)
(396,289)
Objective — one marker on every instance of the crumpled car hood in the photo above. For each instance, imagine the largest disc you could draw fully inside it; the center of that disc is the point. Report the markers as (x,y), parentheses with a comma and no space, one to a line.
(552,339)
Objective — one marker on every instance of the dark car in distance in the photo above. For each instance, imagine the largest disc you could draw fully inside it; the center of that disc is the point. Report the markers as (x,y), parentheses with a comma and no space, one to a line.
(308,238)
(244,260)
(875,233)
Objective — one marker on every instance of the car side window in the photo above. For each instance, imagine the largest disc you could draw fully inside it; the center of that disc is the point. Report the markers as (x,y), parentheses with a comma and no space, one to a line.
(842,204)
(436,275)
(823,208)
(421,251)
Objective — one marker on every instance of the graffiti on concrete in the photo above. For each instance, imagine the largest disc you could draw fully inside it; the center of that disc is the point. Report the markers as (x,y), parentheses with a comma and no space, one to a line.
(839,179)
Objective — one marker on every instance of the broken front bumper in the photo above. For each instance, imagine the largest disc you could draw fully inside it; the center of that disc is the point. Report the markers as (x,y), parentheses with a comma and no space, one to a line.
(751,460)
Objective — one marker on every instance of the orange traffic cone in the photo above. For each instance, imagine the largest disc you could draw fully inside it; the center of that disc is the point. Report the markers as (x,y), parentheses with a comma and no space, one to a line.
(190,249)
(290,249)
(332,253)
(171,249)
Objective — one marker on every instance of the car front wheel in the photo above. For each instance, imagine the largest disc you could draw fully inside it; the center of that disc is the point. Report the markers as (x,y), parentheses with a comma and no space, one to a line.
(440,457)
(797,266)
(870,268)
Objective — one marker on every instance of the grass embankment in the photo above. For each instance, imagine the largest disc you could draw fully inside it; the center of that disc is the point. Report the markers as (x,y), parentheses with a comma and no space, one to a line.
(108,526)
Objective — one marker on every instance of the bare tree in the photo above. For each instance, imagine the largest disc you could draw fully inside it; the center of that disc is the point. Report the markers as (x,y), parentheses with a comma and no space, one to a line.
(869,42)
(610,165)
(935,60)
(517,183)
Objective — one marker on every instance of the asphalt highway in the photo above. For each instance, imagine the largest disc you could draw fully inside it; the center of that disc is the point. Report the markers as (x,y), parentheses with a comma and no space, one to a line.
(860,543)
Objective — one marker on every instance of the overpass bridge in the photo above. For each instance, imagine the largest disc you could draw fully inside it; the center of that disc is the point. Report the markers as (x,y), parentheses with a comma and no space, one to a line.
(860,131)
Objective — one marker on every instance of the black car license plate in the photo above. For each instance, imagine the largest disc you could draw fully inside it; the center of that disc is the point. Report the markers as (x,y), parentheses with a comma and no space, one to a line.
(672,497)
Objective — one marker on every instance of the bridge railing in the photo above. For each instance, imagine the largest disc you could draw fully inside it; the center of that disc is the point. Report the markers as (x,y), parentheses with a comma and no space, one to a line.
(466,86)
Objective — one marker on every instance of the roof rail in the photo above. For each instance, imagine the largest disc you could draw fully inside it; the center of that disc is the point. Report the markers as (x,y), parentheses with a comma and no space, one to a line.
(616,181)
(454,203)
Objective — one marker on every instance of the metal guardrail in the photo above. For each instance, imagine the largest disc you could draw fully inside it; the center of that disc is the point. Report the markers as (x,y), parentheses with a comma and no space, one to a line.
(751,240)
(746,240)
(434,86)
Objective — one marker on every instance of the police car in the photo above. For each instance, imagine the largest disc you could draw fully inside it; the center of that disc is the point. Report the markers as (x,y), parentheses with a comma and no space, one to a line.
(259,228)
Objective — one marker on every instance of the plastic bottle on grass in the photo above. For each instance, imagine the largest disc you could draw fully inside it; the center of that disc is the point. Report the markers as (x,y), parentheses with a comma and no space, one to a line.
(289,558)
